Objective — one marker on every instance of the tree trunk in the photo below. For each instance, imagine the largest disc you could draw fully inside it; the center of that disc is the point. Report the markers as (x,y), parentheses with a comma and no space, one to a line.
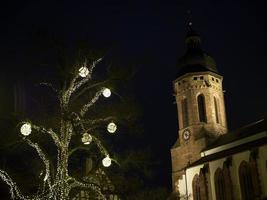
(63,190)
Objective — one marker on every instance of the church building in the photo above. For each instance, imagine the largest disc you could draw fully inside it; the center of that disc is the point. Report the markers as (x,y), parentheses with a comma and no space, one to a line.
(208,160)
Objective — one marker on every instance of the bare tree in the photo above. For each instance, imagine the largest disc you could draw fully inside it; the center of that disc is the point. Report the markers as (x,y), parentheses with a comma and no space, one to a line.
(57,183)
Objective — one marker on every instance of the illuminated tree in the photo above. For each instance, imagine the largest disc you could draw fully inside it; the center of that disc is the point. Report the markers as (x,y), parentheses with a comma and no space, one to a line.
(56,184)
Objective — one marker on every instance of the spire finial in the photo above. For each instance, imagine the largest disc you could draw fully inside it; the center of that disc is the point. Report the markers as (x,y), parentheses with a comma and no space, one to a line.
(189,20)
(192,38)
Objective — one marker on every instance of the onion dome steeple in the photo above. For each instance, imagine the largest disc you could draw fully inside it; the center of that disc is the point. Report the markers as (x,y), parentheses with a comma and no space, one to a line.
(195,59)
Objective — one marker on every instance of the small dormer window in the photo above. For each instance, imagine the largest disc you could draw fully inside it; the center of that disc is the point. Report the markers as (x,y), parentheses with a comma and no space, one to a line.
(212,79)
(201,77)
(217,81)
(179,83)
(195,78)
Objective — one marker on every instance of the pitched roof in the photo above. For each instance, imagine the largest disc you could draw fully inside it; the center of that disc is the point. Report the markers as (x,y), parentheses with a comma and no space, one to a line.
(235,137)
(239,133)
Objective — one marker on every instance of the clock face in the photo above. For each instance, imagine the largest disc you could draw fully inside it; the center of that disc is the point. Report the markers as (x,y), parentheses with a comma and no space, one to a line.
(186,134)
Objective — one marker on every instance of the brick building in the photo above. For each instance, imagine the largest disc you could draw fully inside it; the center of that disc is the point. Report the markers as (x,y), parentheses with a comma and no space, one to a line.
(208,160)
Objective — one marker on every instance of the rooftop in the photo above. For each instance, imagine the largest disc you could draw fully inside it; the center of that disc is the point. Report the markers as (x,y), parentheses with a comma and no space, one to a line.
(244,138)
(195,59)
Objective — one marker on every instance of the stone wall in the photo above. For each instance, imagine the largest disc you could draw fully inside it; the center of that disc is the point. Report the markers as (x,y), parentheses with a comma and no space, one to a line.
(189,86)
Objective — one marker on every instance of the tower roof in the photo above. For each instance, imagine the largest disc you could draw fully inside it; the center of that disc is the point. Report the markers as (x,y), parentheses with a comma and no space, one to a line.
(195,59)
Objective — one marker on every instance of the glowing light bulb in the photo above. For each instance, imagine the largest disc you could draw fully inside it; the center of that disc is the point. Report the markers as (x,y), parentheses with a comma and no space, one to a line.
(26,129)
(112,127)
(106,92)
(83,71)
(106,161)
(87,138)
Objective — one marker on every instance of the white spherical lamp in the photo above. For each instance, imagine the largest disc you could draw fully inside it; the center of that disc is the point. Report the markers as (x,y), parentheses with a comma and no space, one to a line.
(112,127)
(106,161)
(26,129)
(83,71)
(87,138)
(106,92)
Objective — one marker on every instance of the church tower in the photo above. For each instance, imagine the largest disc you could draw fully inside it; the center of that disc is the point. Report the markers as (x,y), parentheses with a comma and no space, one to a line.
(200,102)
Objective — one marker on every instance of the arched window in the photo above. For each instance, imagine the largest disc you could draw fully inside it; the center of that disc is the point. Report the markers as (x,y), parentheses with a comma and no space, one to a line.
(223,186)
(203,184)
(245,179)
(255,177)
(227,181)
(196,188)
(201,108)
(216,104)
(219,184)
(185,113)
(200,190)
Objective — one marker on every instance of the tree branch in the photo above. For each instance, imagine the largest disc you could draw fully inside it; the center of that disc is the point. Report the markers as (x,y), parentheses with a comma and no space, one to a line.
(50,132)
(90,103)
(74,86)
(14,190)
(91,186)
(100,146)
(46,162)
(88,88)
(97,121)
(78,148)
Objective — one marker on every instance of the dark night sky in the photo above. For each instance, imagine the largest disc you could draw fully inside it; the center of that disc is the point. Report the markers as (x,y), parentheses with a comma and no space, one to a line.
(150,35)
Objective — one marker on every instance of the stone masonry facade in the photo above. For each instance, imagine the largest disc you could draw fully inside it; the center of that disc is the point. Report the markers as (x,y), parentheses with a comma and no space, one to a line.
(189,86)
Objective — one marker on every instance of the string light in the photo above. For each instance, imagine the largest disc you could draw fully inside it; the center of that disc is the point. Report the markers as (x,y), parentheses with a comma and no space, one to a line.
(106,161)
(26,129)
(112,127)
(83,72)
(87,138)
(106,92)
